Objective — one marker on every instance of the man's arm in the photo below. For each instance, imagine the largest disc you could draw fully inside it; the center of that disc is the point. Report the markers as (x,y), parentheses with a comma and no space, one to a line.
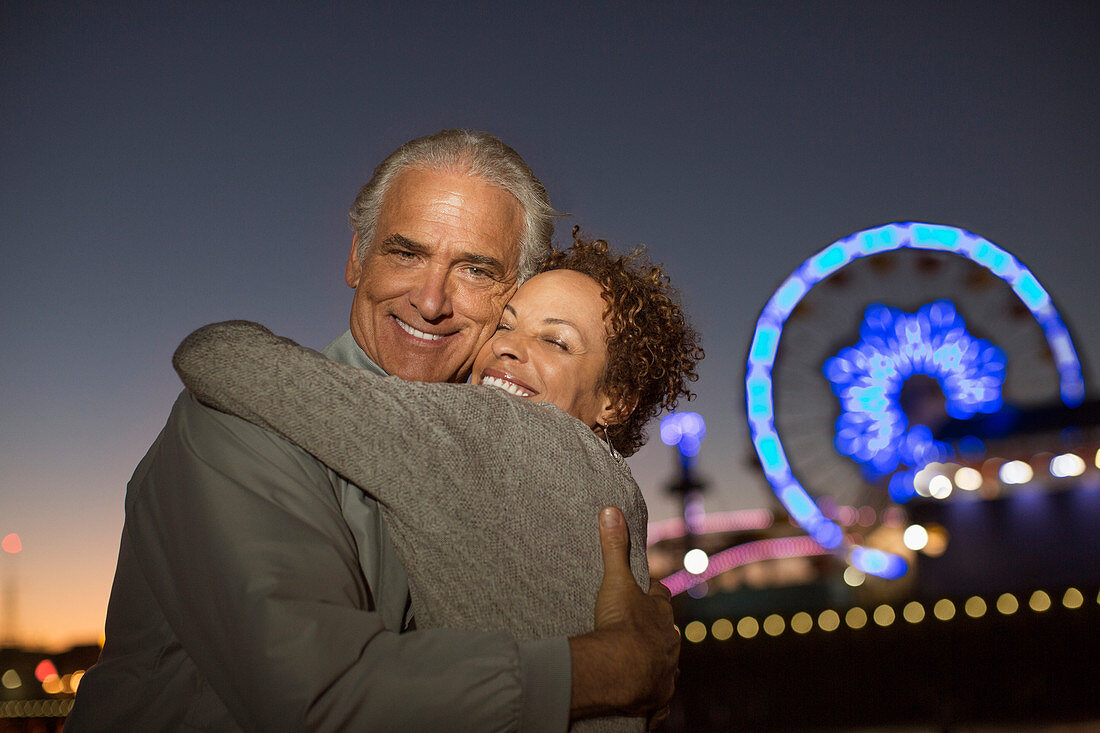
(628,664)
(247,553)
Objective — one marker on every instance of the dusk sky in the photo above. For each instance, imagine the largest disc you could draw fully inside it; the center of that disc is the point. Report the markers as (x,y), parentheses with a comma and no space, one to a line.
(165,165)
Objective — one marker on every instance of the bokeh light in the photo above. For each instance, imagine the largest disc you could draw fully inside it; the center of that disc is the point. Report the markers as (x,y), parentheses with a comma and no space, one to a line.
(722,629)
(828,620)
(974,607)
(968,479)
(774,625)
(884,615)
(1039,601)
(915,537)
(696,561)
(1067,465)
(695,631)
(913,612)
(855,618)
(1016,472)
(748,627)
(11,680)
(45,669)
(11,543)
(1007,604)
(854,577)
(944,610)
(802,622)
(1073,598)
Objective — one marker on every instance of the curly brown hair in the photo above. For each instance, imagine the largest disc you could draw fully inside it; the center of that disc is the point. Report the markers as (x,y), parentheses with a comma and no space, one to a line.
(651,349)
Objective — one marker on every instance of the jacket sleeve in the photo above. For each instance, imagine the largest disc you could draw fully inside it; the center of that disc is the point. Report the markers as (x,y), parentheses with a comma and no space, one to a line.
(242,541)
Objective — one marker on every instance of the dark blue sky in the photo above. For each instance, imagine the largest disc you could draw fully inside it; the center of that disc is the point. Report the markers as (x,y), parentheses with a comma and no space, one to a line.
(170,164)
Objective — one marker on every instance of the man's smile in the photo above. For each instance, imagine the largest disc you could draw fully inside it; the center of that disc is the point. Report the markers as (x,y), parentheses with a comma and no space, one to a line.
(418,333)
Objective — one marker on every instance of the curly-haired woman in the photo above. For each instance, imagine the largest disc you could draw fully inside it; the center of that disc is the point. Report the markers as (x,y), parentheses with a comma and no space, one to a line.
(489,498)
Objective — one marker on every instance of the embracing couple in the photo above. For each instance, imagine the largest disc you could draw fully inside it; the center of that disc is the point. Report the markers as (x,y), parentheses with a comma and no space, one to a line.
(361,541)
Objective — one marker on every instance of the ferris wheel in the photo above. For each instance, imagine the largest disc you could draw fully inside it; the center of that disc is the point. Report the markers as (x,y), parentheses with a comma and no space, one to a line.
(877,340)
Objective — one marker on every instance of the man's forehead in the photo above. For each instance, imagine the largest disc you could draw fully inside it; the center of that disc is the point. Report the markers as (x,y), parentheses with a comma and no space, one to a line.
(427,207)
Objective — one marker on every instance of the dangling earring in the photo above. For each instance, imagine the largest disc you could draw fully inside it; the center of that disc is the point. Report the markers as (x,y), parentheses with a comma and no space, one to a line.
(607,439)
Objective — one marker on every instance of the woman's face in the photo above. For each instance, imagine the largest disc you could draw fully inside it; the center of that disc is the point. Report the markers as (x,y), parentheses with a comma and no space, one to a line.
(551,346)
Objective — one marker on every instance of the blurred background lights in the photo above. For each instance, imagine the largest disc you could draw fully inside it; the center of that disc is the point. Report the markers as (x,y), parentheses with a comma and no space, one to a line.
(855,618)
(944,610)
(1039,601)
(1007,604)
(937,540)
(968,479)
(722,629)
(974,607)
(884,615)
(915,537)
(44,670)
(685,431)
(1016,472)
(52,685)
(699,590)
(828,620)
(696,561)
(854,577)
(1073,598)
(695,632)
(939,487)
(11,680)
(11,543)
(802,622)
(1066,465)
(748,627)
(774,625)
(913,612)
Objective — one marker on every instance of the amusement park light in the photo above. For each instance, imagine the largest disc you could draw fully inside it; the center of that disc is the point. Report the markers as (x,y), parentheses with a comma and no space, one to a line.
(968,479)
(1007,604)
(722,629)
(940,487)
(1016,472)
(696,561)
(759,396)
(868,378)
(685,431)
(1067,465)
(915,537)
(1039,601)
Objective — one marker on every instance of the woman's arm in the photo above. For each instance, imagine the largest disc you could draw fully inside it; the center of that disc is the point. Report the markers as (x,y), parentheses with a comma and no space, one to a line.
(344,416)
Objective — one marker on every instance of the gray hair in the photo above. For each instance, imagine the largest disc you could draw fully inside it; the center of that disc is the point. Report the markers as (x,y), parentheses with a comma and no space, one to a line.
(474,153)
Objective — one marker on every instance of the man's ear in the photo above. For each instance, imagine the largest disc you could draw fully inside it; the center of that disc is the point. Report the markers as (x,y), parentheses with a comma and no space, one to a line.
(354,269)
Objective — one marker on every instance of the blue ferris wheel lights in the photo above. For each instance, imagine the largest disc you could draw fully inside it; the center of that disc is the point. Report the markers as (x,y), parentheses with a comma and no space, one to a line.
(981,392)
(878,563)
(868,378)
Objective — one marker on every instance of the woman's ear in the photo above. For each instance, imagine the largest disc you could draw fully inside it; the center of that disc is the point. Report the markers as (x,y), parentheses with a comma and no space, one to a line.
(617,410)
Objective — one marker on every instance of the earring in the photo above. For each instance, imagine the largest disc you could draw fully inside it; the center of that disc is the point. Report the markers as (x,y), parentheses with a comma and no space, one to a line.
(607,439)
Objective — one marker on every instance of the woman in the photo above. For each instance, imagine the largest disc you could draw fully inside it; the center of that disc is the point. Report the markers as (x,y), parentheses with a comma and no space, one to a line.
(490,499)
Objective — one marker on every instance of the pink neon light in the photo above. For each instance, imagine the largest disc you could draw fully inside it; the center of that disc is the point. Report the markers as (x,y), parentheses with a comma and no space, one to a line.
(744,554)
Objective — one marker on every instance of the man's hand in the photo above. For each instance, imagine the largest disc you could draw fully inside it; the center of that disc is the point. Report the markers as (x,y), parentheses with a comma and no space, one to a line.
(627,665)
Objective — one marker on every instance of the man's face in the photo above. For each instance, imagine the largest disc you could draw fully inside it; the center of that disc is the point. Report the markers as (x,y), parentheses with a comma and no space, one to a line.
(434,280)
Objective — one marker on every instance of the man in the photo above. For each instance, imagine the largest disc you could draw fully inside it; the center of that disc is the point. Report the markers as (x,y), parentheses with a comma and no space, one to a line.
(256,589)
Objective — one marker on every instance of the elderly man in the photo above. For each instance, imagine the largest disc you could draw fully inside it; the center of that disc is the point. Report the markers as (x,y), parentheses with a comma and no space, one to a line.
(258,590)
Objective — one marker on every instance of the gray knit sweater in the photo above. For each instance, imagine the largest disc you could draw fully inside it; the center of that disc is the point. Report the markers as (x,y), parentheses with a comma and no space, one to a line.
(491,499)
